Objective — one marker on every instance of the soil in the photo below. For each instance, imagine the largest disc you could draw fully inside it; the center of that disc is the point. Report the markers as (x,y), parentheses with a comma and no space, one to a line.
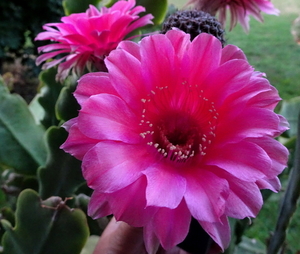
(20,79)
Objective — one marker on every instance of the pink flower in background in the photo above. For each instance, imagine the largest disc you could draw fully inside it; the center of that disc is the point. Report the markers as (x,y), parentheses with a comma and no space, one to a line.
(85,39)
(177,129)
(240,10)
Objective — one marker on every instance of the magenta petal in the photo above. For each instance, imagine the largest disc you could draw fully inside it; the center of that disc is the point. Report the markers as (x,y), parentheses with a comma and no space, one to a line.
(234,128)
(271,184)
(99,205)
(180,41)
(172,225)
(152,243)
(132,48)
(218,231)
(126,82)
(107,117)
(205,55)
(157,70)
(277,152)
(129,204)
(231,52)
(77,144)
(283,125)
(163,179)
(244,160)
(228,78)
(206,195)
(106,172)
(92,84)
(244,198)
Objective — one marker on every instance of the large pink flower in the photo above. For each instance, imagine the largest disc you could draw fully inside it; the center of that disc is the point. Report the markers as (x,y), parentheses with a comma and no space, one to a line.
(239,10)
(85,39)
(177,129)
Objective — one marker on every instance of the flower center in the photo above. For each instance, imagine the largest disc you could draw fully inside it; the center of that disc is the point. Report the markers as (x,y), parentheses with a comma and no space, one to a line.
(179,125)
(177,136)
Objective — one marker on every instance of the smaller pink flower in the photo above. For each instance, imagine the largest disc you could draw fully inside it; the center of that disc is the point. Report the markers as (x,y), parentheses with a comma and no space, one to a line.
(85,39)
(240,10)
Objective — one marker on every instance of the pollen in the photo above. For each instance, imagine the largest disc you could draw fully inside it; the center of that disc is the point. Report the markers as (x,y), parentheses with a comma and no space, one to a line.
(181,133)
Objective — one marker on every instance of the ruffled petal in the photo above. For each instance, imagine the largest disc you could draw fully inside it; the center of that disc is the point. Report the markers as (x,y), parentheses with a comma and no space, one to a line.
(203,49)
(129,204)
(234,127)
(231,52)
(99,205)
(92,84)
(152,242)
(271,184)
(244,198)
(107,117)
(111,166)
(163,179)
(158,71)
(77,144)
(171,226)
(206,195)
(244,160)
(218,231)
(277,152)
(127,83)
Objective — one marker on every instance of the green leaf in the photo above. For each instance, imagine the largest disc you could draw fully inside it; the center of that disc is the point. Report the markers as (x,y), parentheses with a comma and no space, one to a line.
(61,175)
(158,8)
(67,106)
(48,96)
(36,109)
(45,227)
(290,109)
(77,6)
(90,245)
(22,143)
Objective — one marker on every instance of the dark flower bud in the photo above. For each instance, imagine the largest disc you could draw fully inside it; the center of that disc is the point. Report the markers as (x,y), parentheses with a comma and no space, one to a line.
(194,22)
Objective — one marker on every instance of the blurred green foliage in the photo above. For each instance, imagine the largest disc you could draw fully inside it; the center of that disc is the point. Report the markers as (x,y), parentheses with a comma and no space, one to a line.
(23,20)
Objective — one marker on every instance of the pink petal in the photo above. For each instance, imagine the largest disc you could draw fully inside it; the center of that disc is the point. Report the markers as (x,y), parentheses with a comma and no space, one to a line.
(244,198)
(99,206)
(265,99)
(206,195)
(231,52)
(258,123)
(111,166)
(47,56)
(92,84)
(218,231)
(77,144)
(226,79)
(143,21)
(129,204)
(271,184)
(205,55)
(107,117)
(172,225)
(126,82)
(152,243)
(157,70)
(180,41)
(277,152)
(132,48)
(244,160)
(164,179)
